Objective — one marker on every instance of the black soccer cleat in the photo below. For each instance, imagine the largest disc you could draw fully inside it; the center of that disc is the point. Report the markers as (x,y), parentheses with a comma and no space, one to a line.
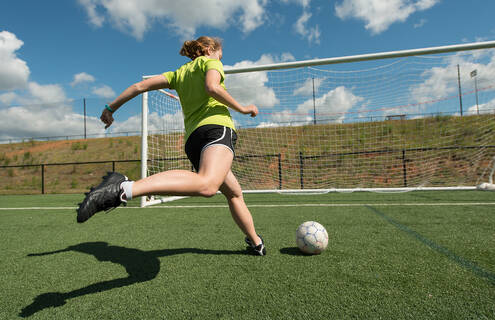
(258,250)
(107,195)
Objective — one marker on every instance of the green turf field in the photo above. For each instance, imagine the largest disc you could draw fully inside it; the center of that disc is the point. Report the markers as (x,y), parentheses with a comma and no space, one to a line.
(417,255)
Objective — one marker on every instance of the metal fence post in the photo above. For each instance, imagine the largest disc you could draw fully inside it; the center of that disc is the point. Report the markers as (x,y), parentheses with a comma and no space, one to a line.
(404,167)
(42,179)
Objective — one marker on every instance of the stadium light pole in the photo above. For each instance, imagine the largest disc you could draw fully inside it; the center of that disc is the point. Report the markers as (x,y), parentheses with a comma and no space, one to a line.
(84,103)
(460,90)
(474,73)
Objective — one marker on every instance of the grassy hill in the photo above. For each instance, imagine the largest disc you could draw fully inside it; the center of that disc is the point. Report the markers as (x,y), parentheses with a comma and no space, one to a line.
(341,142)
(36,152)
(65,178)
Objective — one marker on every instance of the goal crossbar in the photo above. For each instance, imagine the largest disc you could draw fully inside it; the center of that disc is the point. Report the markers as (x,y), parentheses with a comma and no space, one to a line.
(365,57)
(360,57)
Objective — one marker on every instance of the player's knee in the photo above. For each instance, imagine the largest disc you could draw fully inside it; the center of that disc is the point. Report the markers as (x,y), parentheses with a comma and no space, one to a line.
(208,189)
(235,194)
(208,192)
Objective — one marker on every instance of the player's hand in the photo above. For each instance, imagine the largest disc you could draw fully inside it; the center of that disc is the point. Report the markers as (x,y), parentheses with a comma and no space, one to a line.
(106,118)
(251,109)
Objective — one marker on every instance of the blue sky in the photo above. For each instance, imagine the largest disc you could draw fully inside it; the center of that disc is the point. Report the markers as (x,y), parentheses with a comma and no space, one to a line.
(55,53)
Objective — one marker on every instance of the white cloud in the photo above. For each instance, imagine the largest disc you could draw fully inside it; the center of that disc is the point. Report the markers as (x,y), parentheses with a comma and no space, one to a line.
(303,3)
(378,14)
(132,123)
(156,122)
(104,92)
(307,88)
(7,98)
(286,118)
(44,111)
(14,72)
(82,78)
(251,87)
(94,17)
(311,34)
(136,16)
(40,110)
(439,83)
(253,16)
(442,81)
(44,94)
(488,107)
(335,102)
(421,23)
(426,4)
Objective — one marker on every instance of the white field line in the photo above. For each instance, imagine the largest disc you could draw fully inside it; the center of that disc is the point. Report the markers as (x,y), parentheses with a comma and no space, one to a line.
(40,208)
(414,204)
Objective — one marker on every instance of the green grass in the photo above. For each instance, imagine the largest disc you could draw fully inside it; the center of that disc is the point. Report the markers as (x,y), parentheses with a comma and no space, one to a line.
(386,259)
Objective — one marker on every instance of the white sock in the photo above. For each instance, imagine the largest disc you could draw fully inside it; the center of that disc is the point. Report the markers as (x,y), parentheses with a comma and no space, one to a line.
(127,187)
(261,241)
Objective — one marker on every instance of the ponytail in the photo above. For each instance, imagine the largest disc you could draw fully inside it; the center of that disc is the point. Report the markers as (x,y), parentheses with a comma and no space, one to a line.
(199,47)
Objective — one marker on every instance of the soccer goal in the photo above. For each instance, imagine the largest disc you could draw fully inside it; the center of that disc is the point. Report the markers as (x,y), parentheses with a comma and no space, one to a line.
(384,122)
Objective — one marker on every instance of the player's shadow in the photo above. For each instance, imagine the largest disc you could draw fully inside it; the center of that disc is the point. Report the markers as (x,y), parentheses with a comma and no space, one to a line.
(141,266)
(292,251)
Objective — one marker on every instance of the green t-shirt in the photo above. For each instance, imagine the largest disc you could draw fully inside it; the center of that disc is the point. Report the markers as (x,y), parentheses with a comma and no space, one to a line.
(198,107)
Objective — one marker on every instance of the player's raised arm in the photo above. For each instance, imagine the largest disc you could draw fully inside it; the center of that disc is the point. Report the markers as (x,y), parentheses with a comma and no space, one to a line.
(215,90)
(154,83)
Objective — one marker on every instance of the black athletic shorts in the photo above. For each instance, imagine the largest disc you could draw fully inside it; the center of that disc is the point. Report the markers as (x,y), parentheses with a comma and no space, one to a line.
(207,136)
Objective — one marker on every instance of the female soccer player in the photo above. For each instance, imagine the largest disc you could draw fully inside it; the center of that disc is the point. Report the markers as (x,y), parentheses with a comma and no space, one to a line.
(209,134)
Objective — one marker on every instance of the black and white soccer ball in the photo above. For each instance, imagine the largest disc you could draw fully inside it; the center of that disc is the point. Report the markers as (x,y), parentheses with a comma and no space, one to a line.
(311,237)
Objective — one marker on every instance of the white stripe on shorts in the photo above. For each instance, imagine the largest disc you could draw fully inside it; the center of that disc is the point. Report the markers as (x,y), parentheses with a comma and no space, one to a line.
(213,143)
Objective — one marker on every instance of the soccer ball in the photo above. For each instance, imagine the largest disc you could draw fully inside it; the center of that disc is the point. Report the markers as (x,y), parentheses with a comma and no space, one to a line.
(311,237)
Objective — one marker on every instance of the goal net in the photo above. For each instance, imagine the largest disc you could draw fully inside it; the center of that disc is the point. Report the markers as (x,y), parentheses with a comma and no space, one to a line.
(421,119)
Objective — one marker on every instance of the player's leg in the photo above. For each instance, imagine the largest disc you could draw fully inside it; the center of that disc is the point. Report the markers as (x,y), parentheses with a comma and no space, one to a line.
(214,166)
(240,212)
(232,191)
(210,149)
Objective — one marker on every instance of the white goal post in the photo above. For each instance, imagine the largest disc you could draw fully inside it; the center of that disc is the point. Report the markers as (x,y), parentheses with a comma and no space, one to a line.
(421,119)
